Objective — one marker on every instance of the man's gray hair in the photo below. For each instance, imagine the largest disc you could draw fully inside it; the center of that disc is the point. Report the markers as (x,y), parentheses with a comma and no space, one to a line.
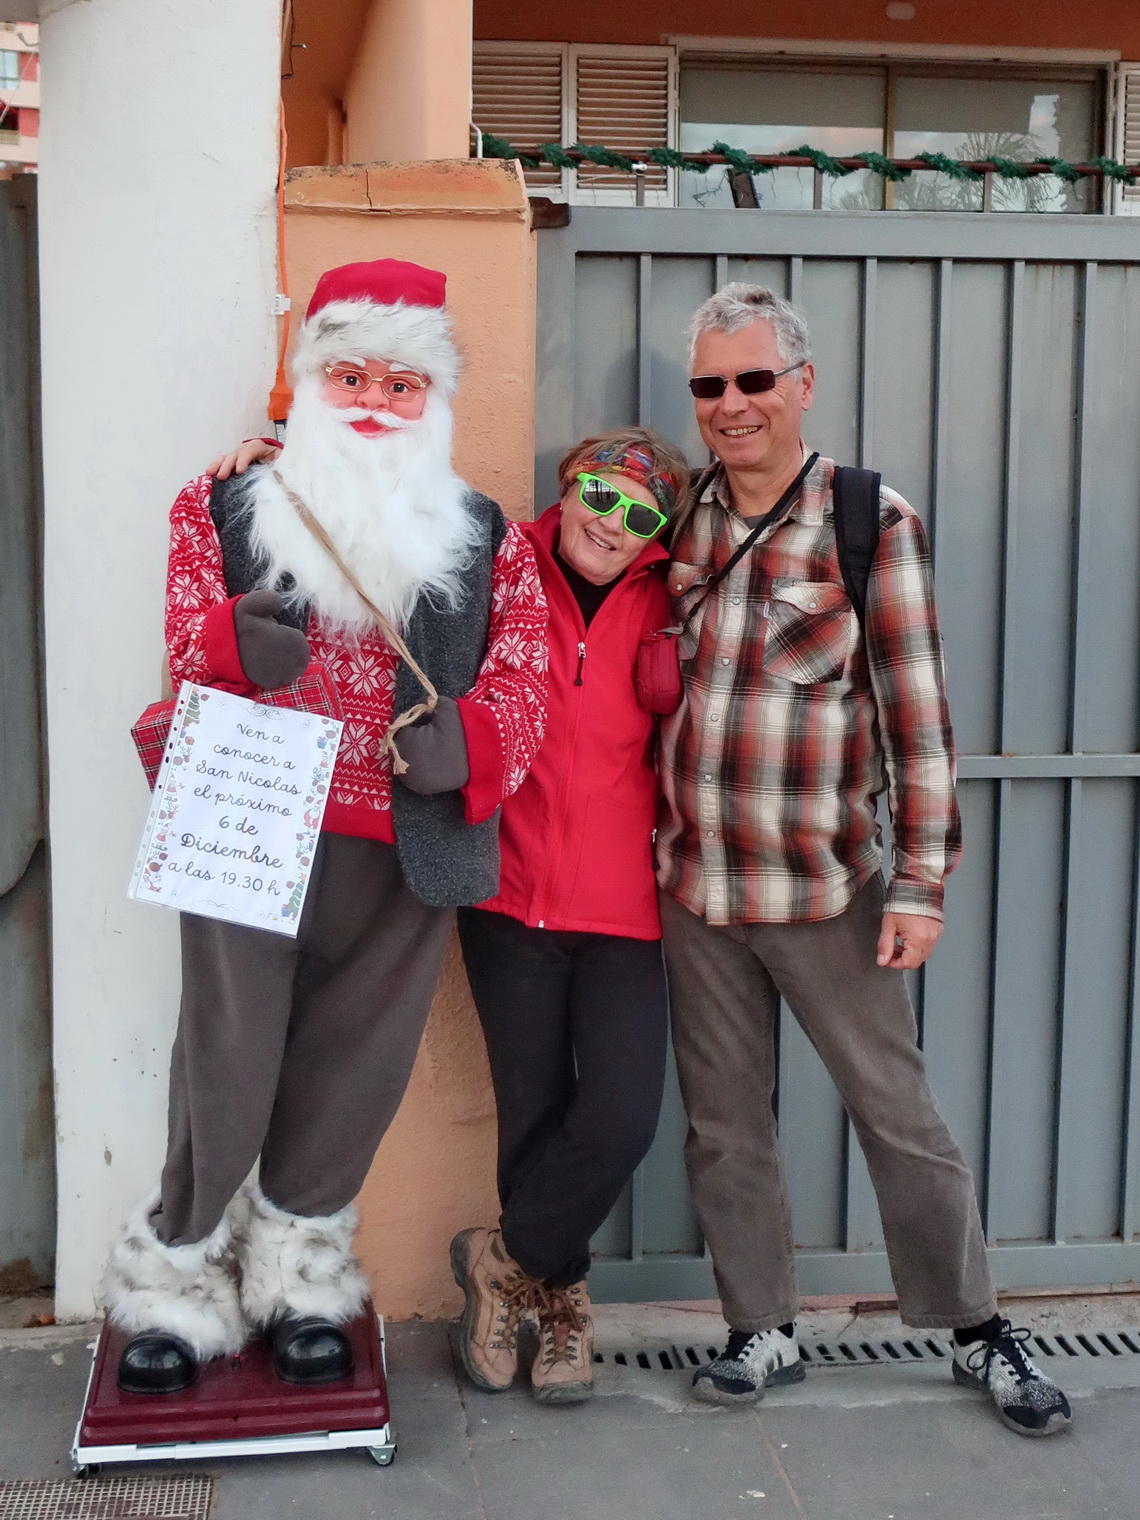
(738,305)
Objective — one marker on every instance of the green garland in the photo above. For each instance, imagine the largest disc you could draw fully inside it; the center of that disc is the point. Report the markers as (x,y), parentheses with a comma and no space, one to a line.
(558,157)
(878,164)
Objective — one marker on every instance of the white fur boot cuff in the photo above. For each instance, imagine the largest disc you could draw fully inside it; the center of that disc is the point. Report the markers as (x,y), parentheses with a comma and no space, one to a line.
(297,1264)
(187,1291)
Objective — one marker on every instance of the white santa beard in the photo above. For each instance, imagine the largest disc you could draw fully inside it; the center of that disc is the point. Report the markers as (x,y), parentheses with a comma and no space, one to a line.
(391,503)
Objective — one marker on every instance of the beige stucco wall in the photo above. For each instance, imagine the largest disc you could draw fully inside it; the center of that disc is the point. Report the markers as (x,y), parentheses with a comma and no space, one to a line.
(409,92)
(435,1170)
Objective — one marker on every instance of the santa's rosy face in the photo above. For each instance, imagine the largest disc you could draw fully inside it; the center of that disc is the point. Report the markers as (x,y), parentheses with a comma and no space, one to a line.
(363,387)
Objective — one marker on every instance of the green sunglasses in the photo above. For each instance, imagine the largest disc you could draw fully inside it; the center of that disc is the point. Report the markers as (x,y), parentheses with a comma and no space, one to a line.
(603,498)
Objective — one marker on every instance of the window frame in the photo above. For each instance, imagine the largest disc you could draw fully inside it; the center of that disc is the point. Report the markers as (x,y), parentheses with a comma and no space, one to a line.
(893,67)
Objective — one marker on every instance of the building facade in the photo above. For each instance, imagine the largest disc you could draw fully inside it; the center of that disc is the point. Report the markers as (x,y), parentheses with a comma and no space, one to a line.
(570,287)
(19,97)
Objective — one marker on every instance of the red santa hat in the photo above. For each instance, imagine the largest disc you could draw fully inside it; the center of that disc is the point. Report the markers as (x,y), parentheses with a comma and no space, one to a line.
(384,309)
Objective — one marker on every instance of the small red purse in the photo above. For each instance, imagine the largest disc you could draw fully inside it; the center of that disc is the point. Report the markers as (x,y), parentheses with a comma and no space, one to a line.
(314,692)
(658,678)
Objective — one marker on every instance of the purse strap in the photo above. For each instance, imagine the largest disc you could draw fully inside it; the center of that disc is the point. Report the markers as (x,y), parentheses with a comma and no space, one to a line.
(421,709)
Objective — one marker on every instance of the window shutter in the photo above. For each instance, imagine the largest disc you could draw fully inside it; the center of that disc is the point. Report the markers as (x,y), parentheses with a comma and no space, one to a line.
(517,93)
(1129,133)
(623,99)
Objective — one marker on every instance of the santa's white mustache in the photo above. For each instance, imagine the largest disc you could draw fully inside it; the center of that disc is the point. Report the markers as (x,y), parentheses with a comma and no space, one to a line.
(365,414)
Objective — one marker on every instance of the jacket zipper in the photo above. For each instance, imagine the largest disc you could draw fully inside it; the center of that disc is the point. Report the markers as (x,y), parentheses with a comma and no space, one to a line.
(581,662)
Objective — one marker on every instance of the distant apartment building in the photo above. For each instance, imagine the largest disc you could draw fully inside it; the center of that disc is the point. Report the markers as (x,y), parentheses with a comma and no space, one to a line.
(19,97)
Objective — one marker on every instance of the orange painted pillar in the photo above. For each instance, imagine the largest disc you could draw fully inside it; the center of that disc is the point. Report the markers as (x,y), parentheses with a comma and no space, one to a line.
(435,1172)
(409,93)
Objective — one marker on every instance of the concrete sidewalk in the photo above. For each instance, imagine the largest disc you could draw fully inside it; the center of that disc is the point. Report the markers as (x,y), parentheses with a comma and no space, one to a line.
(891,1441)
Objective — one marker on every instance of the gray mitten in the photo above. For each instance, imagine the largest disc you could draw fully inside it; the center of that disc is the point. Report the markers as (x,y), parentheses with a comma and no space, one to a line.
(271,654)
(436,751)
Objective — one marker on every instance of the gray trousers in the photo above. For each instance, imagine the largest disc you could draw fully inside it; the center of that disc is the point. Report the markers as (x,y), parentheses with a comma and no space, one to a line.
(297,1051)
(724,988)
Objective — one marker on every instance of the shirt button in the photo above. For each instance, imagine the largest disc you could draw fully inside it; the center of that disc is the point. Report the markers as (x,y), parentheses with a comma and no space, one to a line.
(711,834)
(725,661)
(714,718)
(708,776)
(736,601)
(813,605)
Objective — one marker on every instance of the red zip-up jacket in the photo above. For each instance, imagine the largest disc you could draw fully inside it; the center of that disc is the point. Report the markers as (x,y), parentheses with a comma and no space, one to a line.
(576,839)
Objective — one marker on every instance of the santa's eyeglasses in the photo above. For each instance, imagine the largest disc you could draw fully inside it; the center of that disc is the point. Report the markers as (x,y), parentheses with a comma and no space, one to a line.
(397,384)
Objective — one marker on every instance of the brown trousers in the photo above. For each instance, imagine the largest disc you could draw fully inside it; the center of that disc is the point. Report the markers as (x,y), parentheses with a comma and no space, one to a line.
(297,1051)
(724,988)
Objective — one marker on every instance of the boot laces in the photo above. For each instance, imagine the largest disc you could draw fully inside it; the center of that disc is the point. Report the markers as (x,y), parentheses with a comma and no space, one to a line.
(516,1298)
(561,1322)
(1009,1344)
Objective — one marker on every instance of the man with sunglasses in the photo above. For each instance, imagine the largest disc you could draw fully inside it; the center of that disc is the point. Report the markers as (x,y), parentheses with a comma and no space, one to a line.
(797,700)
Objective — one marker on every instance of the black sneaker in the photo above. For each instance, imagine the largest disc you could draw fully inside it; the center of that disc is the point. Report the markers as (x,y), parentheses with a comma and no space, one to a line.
(751,1362)
(1027,1401)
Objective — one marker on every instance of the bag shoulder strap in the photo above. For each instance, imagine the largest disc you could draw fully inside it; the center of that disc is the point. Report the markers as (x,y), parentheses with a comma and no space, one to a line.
(855,495)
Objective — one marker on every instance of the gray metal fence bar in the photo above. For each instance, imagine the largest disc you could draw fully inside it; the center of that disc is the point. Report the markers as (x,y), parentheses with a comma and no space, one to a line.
(637,1214)
(1065,1155)
(1010,494)
(1130,1150)
(1067,1166)
(867,363)
(1045,767)
(940,401)
(1003,1033)
(796,279)
(1082,651)
(644,345)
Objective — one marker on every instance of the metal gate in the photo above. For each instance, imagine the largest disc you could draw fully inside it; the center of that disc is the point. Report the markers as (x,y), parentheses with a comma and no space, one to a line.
(989,366)
(27,1152)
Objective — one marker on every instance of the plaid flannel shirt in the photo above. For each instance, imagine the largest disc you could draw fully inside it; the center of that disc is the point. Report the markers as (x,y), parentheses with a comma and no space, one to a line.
(771,768)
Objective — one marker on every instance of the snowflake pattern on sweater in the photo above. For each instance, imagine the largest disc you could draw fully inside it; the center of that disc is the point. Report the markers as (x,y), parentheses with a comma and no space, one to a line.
(511,685)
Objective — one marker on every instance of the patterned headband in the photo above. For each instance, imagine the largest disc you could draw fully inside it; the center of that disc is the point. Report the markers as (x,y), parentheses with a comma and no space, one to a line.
(639,465)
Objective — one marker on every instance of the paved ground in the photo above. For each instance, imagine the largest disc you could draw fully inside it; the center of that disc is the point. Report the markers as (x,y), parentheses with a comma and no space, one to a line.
(852,1443)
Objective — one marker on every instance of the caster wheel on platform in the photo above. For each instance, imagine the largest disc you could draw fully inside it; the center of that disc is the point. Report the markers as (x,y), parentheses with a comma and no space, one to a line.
(382,1455)
(84,1470)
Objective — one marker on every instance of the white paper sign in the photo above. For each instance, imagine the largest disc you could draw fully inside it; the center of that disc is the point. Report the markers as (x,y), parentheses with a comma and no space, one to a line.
(236,810)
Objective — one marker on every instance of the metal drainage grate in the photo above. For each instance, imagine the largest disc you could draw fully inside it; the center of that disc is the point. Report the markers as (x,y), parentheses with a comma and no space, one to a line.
(1068,1343)
(189,1498)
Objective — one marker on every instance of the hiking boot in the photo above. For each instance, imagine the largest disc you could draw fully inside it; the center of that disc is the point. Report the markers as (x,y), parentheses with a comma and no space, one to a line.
(499,1296)
(563,1367)
(1027,1401)
(751,1362)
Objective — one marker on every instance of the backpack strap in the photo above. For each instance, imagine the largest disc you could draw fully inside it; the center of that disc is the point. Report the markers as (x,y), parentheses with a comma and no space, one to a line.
(855,495)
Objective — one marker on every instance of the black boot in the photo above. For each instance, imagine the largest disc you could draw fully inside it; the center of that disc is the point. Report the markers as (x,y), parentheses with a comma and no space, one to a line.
(309,1350)
(156,1363)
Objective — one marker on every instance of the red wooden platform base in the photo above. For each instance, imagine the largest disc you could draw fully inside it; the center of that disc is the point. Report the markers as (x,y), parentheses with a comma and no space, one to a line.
(235,1398)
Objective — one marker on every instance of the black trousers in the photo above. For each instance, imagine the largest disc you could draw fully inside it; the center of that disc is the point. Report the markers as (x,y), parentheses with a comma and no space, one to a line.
(576,1029)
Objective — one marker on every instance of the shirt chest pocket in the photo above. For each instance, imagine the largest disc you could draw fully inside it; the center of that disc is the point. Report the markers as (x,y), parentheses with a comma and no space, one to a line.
(811,630)
(687,590)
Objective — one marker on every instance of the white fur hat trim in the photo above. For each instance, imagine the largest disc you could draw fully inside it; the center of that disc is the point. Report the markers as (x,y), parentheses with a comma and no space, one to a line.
(418,336)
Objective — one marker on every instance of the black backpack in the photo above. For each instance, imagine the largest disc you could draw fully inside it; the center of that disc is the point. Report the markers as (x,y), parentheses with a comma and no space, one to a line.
(856,500)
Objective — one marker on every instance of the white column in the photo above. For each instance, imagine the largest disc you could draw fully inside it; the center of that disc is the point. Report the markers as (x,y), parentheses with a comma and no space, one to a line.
(157,232)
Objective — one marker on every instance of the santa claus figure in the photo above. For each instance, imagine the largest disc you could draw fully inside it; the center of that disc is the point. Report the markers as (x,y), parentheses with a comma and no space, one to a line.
(292,1056)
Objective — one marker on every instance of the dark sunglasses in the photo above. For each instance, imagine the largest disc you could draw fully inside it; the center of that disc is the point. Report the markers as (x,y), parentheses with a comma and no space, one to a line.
(753,382)
(601,497)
